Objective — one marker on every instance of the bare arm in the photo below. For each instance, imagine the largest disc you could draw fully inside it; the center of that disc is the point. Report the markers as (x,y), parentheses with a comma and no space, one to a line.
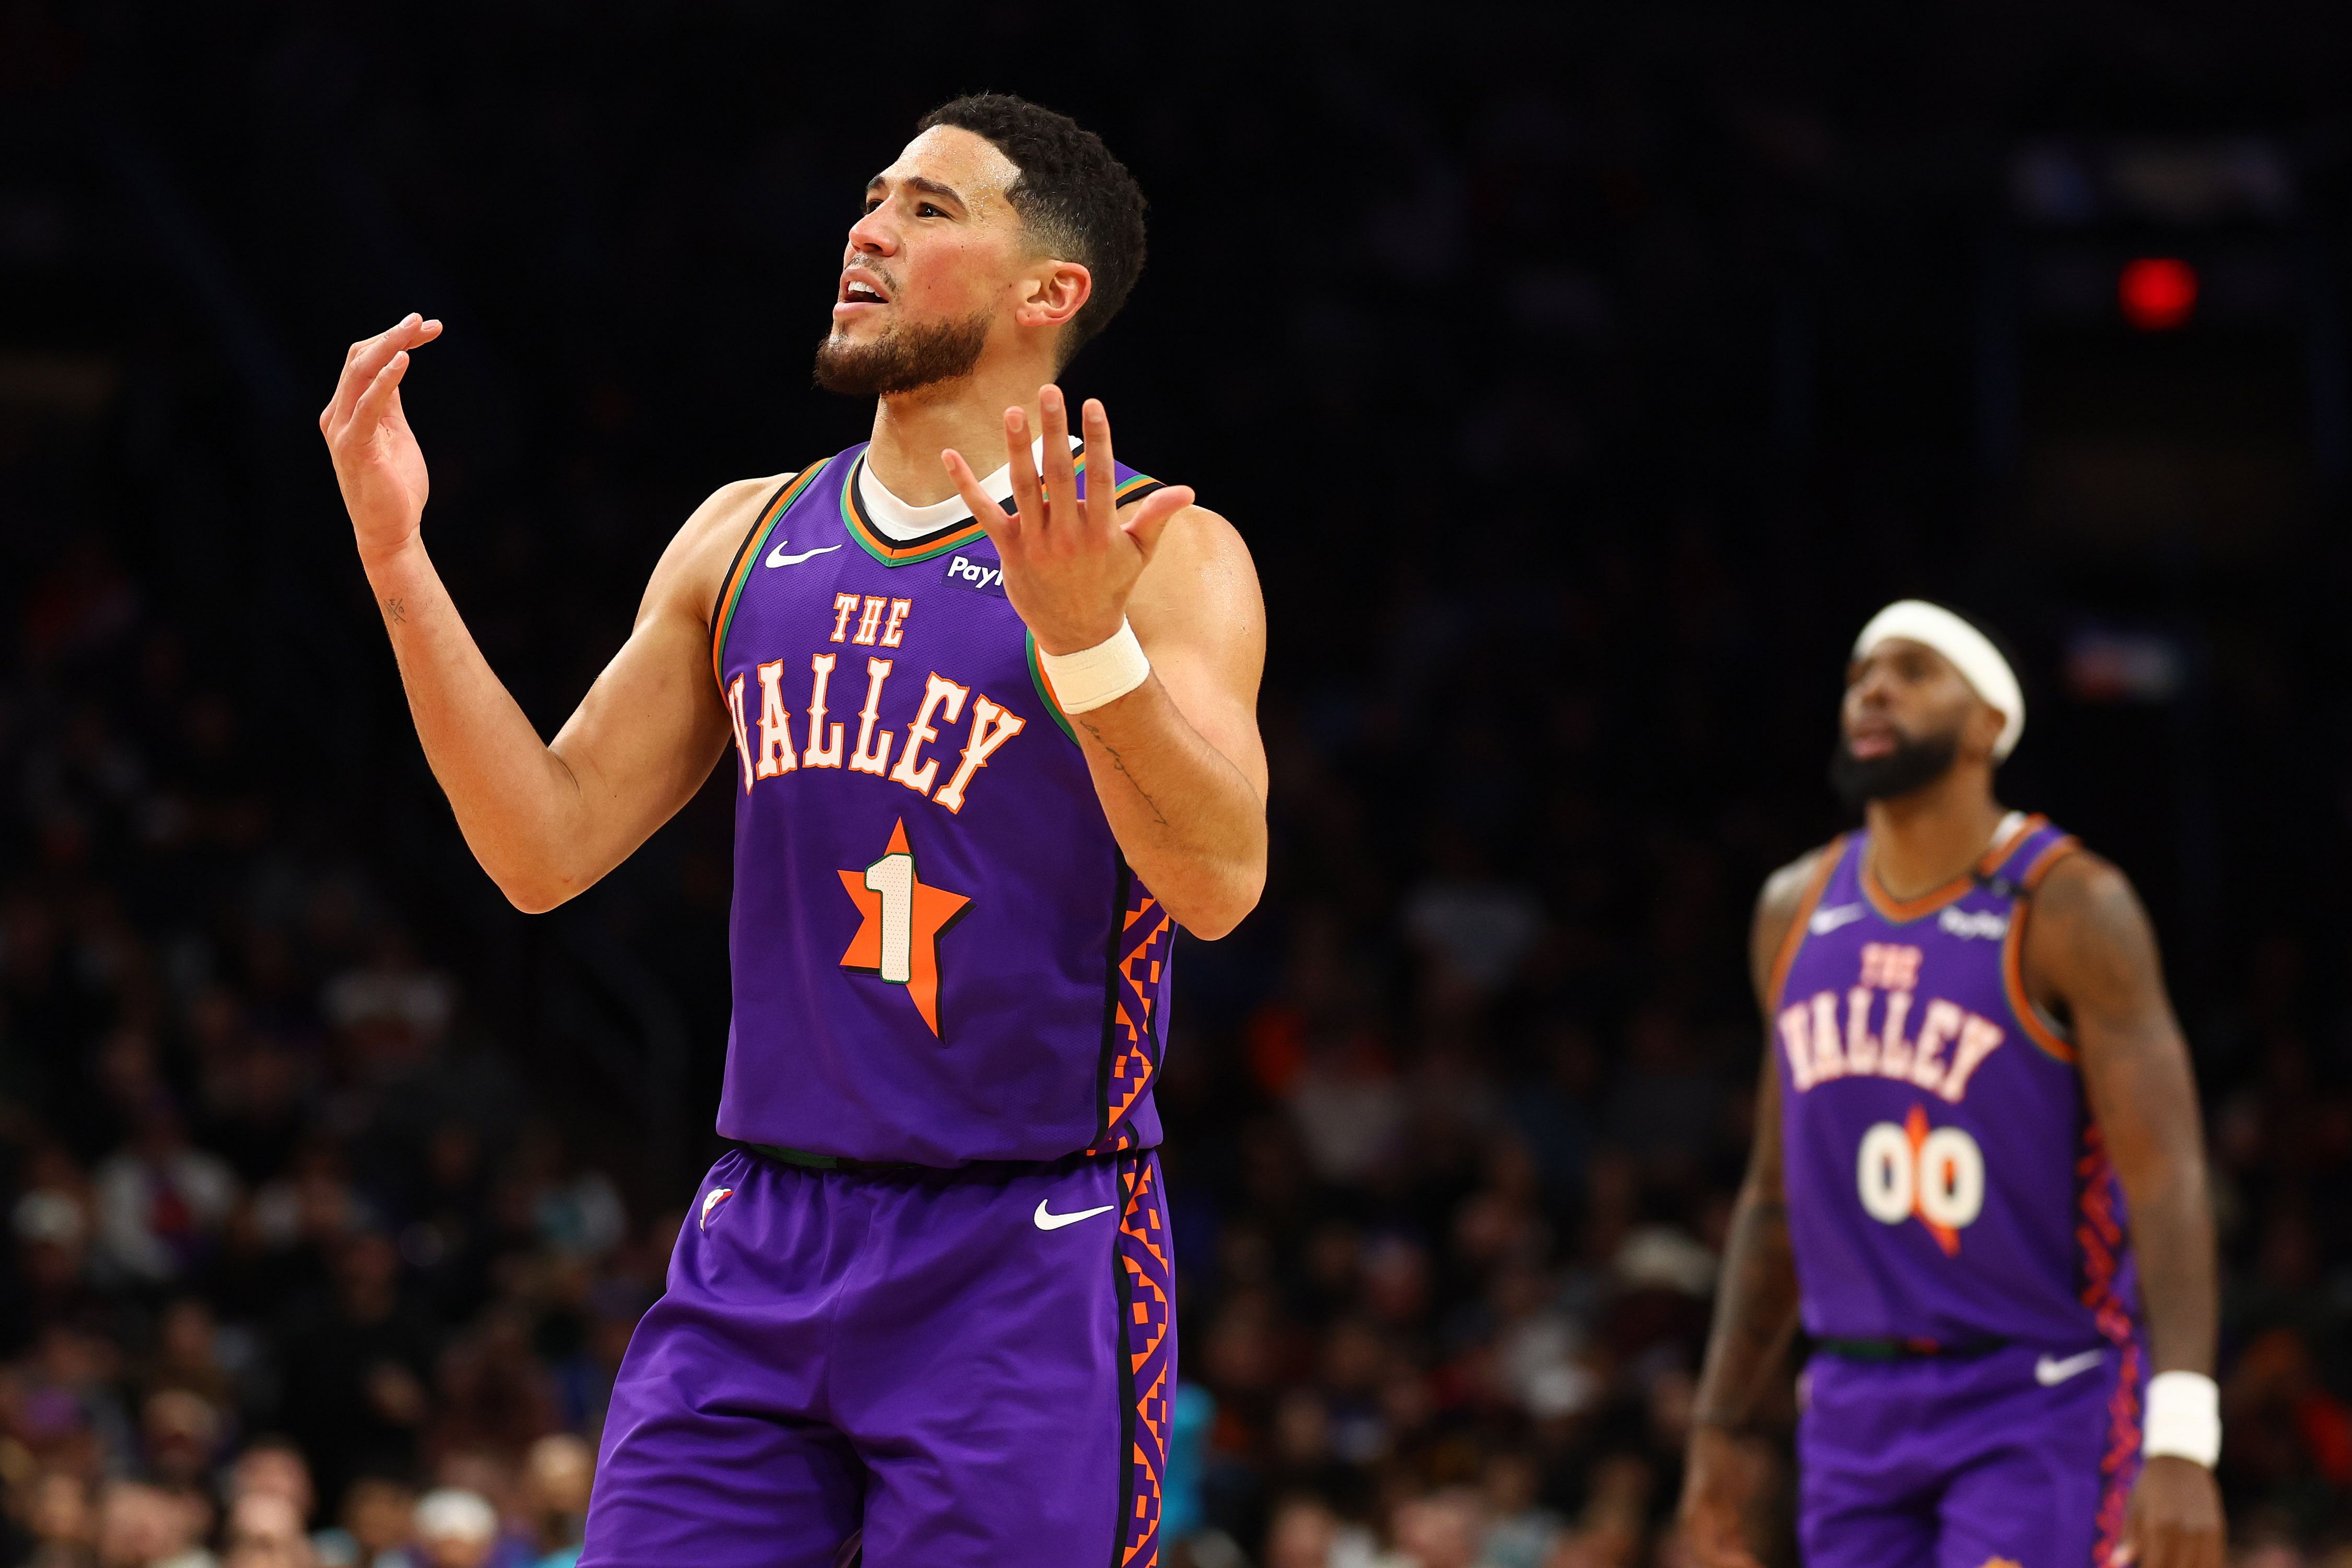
(545,820)
(1177,763)
(1756,1300)
(2091,956)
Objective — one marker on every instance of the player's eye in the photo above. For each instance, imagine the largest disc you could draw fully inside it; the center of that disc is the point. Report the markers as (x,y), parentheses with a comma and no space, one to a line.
(872,203)
(925,210)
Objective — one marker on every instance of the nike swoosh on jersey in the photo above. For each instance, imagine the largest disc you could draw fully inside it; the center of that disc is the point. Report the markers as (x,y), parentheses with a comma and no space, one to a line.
(1828,920)
(1046,1221)
(777,557)
(2051,1371)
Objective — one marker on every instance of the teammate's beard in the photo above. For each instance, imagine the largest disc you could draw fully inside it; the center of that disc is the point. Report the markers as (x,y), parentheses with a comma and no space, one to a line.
(1912,763)
(903,359)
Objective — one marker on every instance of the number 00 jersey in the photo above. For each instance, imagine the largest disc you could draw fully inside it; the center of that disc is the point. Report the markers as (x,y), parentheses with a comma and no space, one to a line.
(1946,1185)
(939,953)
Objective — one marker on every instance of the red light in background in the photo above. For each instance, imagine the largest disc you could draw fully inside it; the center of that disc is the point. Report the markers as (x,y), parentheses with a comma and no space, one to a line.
(2158,292)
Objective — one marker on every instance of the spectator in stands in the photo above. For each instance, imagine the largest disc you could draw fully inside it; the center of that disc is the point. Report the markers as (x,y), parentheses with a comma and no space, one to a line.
(556,1479)
(354,1358)
(161,1202)
(455,1529)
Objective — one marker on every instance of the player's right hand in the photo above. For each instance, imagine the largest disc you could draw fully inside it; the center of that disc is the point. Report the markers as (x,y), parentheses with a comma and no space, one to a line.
(378,464)
(1714,1503)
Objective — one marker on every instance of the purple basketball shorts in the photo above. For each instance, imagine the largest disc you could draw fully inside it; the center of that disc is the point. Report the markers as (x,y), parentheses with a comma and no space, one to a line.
(966,1369)
(2022,1457)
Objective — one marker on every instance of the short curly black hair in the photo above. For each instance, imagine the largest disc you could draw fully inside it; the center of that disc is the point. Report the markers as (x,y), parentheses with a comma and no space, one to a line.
(1078,203)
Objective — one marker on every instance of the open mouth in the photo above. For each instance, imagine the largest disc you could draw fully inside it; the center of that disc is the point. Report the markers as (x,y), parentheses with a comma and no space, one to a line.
(855,290)
(1869,741)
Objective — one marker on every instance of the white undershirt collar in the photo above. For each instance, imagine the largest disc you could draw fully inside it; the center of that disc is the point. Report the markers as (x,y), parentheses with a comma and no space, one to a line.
(900,520)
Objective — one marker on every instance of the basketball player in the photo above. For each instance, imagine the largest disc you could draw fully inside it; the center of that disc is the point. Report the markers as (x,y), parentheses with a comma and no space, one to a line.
(1977,1176)
(994,740)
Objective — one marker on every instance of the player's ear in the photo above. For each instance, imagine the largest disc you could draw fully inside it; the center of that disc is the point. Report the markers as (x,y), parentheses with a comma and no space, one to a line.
(1985,724)
(1054,293)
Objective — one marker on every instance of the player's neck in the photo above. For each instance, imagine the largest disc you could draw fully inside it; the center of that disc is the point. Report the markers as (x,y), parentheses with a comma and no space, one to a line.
(912,429)
(1921,841)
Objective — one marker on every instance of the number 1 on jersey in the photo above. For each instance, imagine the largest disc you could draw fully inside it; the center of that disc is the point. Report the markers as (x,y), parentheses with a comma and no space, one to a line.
(901,917)
(893,876)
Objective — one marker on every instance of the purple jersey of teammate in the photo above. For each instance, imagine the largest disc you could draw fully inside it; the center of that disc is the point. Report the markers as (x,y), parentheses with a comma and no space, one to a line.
(939,955)
(1945,1181)
(1947,1188)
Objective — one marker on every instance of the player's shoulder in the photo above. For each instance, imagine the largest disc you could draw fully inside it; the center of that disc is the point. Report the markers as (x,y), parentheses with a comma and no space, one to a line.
(1780,903)
(699,554)
(1204,540)
(1201,586)
(736,504)
(2080,893)
(1785,891)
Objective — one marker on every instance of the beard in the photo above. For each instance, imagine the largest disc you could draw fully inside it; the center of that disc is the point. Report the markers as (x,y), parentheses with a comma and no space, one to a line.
(1915,762)
(904,359)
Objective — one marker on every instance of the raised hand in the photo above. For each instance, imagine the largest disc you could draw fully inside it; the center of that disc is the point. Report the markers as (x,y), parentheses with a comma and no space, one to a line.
(378,464)
(1069,565)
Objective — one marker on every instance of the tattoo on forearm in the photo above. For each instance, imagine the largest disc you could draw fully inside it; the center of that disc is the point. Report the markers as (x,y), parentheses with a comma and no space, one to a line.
(395,611)
(1118,762)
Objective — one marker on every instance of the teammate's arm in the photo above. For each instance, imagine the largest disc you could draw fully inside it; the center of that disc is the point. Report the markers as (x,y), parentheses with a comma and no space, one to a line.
(1177,763)
(2090,951)
(1755,1302)
(545,820)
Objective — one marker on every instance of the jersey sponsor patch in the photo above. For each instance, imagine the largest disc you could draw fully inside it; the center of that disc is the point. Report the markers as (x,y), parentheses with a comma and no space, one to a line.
(979,576)
(1985,923)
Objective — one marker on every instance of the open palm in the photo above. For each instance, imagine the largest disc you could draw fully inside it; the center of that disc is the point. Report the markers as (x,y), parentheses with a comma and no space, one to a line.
(378,464)
(1070,562)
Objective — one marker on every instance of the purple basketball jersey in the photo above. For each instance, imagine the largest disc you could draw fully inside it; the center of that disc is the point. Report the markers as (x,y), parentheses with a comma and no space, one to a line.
(939,955)
(1945,1185)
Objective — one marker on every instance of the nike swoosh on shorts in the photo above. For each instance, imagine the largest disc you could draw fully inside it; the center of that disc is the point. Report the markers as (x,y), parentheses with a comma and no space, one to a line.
(1046,1221)
(2050,1370)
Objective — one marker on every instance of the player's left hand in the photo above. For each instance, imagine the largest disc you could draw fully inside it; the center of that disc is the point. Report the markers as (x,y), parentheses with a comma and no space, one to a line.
(2175,1519)
(1069,565)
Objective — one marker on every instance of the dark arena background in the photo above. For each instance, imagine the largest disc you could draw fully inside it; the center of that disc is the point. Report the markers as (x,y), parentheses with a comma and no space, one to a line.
(1581,376)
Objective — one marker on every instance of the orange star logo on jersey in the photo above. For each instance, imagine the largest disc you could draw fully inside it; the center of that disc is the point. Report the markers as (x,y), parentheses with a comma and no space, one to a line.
(1915,1130)
(902,918)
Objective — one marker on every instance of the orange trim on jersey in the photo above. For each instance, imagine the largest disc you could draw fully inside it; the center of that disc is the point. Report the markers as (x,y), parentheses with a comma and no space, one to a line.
(747,555)
(2012,956)
(1902,912)
(1832,855)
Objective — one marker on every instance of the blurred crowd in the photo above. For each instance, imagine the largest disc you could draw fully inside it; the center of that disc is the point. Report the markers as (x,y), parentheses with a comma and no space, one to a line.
(294,1277)
(324,1229)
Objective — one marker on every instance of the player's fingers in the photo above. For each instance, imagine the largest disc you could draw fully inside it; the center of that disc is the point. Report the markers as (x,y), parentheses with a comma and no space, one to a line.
(367,360)
(372,401)
(1150,517)
(1061,473)
(1025,493)
(984,510)
(1102,485)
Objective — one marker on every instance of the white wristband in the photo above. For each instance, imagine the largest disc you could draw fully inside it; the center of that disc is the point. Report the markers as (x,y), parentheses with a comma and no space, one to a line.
(2184,1418)
(1093,676)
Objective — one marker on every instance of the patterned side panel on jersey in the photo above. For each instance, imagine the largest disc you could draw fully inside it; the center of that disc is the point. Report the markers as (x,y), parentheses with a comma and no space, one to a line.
(1147,1296)
(1139,973)
(2100,1233)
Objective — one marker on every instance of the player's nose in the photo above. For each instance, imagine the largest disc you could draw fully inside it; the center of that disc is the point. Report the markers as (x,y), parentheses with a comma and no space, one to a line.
(873,234)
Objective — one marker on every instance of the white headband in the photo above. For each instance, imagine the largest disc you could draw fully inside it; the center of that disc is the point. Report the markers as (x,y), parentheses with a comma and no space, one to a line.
(1969,650)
